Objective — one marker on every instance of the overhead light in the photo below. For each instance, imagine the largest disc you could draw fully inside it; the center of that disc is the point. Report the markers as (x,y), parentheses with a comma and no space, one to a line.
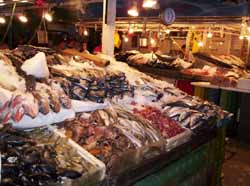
(85,32)
(23,18)
(133,10)
(168,31)
(241,37)
(2,4)
(149,3)
(2,20)
(131,30)
(48,17)
(248,38)
(221,43)
(209,35)
(1,1)
(125,39)
(200,44)
(24,1)
(152,41)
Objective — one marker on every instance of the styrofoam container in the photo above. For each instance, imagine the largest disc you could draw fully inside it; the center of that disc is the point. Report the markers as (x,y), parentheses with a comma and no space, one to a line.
(95,174)
(178,139)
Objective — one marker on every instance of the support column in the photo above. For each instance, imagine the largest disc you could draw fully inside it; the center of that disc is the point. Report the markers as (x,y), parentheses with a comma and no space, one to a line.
(108,27)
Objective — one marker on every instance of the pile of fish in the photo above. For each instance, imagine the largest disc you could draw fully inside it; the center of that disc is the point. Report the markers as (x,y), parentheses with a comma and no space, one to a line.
(22,94)
(27,161)
(115,136)
(153,60)
(85,81)
(94,88)
(168,127)
(188,111)
(229,61)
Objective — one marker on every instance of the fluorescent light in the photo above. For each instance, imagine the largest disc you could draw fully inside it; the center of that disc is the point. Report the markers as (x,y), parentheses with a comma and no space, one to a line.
(209,35)
(48,17)
(149,3)
(23,19)
(2,20)
(2,4)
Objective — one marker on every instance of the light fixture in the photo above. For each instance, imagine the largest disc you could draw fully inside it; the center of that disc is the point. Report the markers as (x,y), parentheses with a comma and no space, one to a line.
(248,38)
(2,20)
(149,3)
(131,30)
(133,10)
(152,41)
(221,43)
(209,35)
(125,39)
(200,44)
(85,32)
(241,37)
(2,4)
(168,31)
(48,16)
(23,18)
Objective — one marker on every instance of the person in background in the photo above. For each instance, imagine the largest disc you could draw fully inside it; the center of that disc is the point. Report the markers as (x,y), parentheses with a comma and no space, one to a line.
(98,49)
(84,48)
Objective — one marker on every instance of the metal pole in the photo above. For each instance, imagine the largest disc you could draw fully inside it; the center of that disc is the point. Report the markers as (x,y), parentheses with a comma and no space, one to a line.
(108,27)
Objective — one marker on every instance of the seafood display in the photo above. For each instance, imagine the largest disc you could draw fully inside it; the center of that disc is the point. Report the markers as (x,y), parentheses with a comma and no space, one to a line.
(229,61)
(37,161)
(168,127)
(105,119)
(86,83)
(23,94)
(153,60)
(115,136)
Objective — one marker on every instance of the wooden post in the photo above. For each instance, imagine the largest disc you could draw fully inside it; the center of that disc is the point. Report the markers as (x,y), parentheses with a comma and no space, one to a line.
(108,27)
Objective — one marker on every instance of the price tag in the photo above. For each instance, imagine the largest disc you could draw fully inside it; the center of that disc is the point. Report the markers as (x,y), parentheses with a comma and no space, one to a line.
(168,16)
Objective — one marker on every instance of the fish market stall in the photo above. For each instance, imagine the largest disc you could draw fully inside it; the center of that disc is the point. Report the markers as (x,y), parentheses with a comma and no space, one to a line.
(71,121)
